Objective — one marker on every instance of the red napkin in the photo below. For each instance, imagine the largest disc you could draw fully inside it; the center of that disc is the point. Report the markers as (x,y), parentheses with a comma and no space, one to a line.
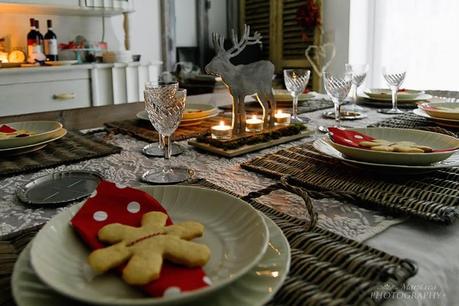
(6,129)
(348,138)
(112,203)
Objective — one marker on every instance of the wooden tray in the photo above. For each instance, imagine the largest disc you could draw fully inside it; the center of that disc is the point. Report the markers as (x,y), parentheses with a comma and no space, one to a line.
(249,148)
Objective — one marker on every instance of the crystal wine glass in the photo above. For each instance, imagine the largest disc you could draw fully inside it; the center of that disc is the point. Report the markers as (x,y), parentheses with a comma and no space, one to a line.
(359,73)
(165,104)
(337,88)
(295,81)
(394,77)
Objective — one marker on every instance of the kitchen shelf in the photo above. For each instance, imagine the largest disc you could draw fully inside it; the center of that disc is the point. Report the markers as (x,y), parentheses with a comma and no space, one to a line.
(68,10)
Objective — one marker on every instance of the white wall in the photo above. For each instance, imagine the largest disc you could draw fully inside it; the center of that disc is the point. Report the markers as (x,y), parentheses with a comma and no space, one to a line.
(336,26)
(185,23)
(145,29)
(217,18)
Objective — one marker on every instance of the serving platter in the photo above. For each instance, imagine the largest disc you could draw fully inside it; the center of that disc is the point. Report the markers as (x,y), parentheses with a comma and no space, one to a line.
(235,233)
(254,288)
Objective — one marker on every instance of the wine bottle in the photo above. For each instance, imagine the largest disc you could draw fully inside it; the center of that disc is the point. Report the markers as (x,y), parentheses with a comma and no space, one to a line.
(33,42)
(50,43)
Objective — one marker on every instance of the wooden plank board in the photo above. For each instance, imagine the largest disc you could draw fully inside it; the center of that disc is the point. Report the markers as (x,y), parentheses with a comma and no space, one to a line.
(249,148)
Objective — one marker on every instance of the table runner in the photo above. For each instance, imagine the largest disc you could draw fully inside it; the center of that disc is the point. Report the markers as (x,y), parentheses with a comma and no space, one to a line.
(306,106)
(325,267)
(143,129)
(412,121)
(72,148)
(433,197)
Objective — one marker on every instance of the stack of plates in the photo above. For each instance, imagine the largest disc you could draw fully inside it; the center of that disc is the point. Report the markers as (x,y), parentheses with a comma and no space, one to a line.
(396,161)
(383,97)
(194,114)
(443,113)
(40,134)
(250,257)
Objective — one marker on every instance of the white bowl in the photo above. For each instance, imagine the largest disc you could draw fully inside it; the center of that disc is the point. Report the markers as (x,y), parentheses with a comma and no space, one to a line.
(41,131)
(436,141)
(234,231)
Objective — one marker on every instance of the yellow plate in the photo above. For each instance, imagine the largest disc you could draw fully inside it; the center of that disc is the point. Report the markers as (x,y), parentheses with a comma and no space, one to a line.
(40,131)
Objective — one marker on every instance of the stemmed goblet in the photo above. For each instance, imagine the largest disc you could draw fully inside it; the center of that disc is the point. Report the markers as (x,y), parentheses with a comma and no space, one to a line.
(165,104)
(337,88)
(295,81)
(359,73)
(394,77)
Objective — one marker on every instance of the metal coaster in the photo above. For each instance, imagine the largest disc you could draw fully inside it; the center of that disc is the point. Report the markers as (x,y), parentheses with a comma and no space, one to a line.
(345,115)
(153,150)
(58,188)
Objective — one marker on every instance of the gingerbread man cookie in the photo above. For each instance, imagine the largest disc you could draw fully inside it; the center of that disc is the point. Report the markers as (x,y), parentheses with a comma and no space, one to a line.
(143,248)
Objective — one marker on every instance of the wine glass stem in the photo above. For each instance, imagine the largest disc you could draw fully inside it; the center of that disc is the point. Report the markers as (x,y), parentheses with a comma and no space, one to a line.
(167,153)
(160,141)
(394,90)
(354,96)
(337,112)
(295,106)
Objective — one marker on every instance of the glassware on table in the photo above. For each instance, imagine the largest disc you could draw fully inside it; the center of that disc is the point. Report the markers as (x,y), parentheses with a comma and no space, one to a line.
(295,81)
(394,77)
(337,88)
(165,104)
(359,73)
(157,149)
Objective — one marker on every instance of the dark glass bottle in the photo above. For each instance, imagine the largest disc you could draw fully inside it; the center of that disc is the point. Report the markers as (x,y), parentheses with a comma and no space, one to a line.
(33,42)
(50,43)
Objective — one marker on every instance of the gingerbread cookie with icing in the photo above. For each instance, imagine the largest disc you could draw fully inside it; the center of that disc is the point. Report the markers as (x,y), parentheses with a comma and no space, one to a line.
(144,248)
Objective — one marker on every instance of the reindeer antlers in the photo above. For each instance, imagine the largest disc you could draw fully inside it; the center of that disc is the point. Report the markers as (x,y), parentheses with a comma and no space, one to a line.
(238,45)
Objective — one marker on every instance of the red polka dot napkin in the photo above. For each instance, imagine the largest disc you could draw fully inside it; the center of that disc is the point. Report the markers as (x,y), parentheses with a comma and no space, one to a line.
(112,203)
(348,138)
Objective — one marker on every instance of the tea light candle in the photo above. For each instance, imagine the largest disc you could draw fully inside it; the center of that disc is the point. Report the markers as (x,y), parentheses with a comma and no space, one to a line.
(221,131)
(253,124)
(281,118)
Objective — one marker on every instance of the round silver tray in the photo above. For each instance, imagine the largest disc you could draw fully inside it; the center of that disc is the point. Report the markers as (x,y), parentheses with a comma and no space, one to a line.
(59,188)
(345,115)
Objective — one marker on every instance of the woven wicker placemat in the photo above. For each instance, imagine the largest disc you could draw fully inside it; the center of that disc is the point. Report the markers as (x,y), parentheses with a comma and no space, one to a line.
(72,148)
(412,121)
(433,196)
(306,106)
(143,130)
(325,267)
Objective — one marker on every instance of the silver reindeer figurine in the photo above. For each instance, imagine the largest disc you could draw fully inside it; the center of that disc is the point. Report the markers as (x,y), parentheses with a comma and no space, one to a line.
(243,80)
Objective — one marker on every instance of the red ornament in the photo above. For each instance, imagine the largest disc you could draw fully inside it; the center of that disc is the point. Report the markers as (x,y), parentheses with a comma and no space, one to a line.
(308,15)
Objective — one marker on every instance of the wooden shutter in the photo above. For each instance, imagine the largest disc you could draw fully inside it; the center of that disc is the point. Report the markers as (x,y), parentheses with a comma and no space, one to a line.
(283,41)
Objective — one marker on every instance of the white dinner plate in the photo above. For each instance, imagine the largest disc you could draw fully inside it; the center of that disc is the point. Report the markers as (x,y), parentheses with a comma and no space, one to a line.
(234,231)
(443,110)
(197,111)
(384,94)
(32,147)
(41,131)
(283,95)
(436,141)
(254,288)
(323,145)
(142,115)
(440,121)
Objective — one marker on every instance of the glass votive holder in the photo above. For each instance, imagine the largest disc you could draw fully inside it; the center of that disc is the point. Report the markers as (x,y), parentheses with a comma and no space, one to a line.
(253,124)
(221,131)
(281,118)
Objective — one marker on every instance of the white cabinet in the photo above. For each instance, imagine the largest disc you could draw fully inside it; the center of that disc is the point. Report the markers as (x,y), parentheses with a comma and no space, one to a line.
(107,4)
(40,89)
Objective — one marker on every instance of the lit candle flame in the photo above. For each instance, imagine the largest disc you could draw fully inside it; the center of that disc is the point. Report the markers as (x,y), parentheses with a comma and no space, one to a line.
(222,123)
(279,112)
(254,117)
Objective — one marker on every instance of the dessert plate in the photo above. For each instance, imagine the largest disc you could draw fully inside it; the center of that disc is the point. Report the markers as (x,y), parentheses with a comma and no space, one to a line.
(142,115)
(323,146)
(32,147)
(40,131)
(440,121)
(436,141)
(196,111)
(254,288)
(234,231)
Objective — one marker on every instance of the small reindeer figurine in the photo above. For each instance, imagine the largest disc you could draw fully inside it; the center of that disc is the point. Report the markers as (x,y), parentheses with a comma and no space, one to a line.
(243,80)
